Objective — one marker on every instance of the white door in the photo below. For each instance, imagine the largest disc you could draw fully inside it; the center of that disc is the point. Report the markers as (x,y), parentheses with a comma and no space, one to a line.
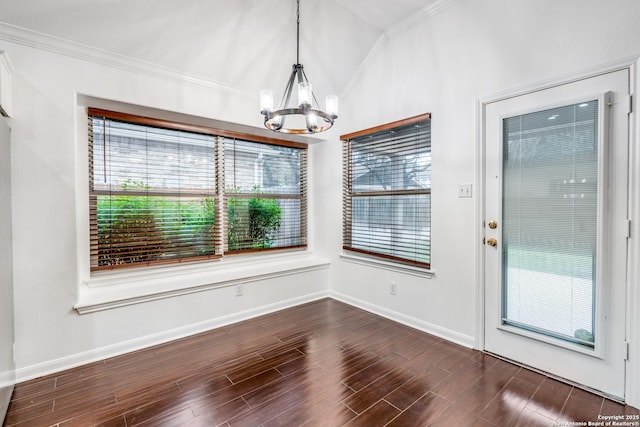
(556,229)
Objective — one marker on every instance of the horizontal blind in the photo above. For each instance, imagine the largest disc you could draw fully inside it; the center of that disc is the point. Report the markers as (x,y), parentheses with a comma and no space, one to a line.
(153,194)
(387,192)
(265,196)
(551,221)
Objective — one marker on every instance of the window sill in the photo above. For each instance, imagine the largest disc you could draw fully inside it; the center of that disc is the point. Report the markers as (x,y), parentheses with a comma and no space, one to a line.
(104,291)
(387,265)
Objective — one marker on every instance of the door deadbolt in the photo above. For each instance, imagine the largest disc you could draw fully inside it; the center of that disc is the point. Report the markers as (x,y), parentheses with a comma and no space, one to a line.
(493,225)
(492,242)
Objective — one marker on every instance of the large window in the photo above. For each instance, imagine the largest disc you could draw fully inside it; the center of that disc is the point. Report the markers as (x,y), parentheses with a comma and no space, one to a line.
(387,191)
(165,192)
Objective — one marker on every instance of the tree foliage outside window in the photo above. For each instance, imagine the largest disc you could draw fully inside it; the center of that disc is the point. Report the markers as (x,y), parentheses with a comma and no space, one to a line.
(252,222)
(159,224)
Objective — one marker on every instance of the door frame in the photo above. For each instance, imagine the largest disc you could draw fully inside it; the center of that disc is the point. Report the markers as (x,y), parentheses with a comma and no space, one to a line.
(632,309)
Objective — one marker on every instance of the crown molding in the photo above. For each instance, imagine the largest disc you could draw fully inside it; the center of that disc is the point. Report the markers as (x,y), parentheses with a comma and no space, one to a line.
(394,31)
(83,52)
(4,60)
(418,18)
(57,45)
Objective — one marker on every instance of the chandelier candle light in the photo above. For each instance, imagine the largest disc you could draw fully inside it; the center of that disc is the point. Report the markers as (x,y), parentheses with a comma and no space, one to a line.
(315,120)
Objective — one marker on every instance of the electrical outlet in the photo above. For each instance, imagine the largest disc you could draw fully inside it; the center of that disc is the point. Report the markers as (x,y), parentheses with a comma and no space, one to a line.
(393,288)
(464,190)
(239,290)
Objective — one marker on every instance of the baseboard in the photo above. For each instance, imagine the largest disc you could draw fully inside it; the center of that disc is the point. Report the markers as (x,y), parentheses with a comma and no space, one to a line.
(430,328)
(72,361)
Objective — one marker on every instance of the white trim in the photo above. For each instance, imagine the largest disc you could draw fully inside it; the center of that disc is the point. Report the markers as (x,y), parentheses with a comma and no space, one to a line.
(387,265)
(49,43)
(34,371)
(632,392)
(480,225)
(6,100)
(558,81)
(68,362)
(418,18)
(61,46)
(595,352)
(412,322)
(122,288)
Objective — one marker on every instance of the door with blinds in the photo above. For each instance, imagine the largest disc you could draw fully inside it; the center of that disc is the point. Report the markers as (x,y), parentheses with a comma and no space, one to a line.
(556,229)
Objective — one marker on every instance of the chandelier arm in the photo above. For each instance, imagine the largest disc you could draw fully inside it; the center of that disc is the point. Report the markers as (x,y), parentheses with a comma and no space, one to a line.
(286,96)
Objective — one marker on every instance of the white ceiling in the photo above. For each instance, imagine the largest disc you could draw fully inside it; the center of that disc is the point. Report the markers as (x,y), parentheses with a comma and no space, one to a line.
(244,44)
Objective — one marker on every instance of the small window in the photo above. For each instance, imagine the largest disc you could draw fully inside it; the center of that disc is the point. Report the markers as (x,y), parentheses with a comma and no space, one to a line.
(387,191)
(164,192)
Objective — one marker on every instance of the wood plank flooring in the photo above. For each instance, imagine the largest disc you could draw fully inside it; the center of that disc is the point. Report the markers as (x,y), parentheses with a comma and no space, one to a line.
(320,364)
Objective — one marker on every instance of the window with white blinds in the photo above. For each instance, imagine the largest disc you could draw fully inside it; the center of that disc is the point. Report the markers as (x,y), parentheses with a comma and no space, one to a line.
(159,193)
(551,221)
(387,191)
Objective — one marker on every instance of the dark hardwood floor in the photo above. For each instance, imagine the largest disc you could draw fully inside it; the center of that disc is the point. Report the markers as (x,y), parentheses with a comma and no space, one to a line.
(320,364)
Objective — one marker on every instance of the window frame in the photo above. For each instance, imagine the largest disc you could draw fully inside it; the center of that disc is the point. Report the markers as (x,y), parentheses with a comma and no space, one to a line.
(349,196)
(220,195)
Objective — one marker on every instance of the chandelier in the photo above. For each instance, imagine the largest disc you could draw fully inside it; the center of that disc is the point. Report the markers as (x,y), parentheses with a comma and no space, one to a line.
(306,117)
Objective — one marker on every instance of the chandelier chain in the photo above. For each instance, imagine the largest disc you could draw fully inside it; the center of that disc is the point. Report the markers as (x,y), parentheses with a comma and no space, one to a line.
(298,32)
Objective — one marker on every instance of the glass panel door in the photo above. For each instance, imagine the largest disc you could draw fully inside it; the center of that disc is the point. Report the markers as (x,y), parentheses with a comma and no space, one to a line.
(550,221)
(555,207)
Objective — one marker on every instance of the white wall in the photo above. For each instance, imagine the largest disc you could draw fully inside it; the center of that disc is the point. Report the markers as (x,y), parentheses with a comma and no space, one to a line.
(471,50)
(50,216)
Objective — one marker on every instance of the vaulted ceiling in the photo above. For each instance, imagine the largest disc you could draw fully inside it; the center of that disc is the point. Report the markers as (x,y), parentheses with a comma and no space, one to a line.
(242,44)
